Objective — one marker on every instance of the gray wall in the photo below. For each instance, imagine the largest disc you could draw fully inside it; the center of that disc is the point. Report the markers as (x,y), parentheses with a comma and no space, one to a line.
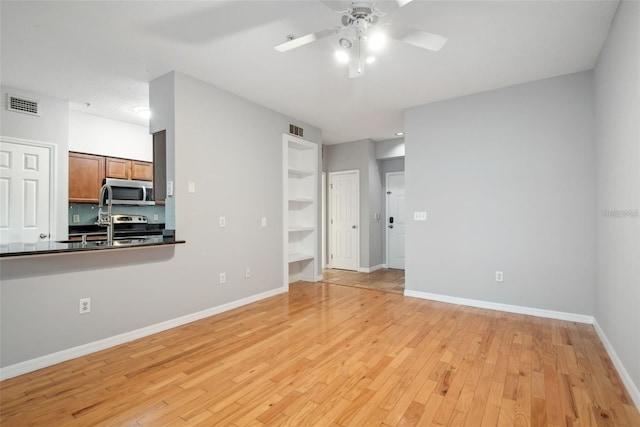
(376,206)
(507,180)
(617,90)
(390,148)
(238,174)
(52,126)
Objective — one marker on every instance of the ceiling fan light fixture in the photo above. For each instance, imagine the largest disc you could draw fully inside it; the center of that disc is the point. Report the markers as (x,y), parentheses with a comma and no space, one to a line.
(345,43)
(342,56)
(399,133)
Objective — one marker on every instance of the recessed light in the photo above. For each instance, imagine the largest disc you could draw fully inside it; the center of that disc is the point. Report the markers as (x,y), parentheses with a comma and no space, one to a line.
(371,60)
(143,111)
(399,133)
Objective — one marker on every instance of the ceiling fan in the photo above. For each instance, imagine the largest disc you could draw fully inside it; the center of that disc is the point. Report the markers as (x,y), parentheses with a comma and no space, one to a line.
(364,34)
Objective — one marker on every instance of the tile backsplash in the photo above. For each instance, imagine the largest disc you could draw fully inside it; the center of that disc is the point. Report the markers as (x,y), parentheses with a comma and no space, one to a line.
(87,214)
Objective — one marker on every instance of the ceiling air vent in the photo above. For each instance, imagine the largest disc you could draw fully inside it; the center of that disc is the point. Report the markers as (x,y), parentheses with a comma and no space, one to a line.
(22,105)
(295,130)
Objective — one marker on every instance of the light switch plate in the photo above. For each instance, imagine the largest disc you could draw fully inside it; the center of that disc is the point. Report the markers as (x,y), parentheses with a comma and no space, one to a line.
(263,222)
(223,221)
(192,187)
(169,188)
(420,216)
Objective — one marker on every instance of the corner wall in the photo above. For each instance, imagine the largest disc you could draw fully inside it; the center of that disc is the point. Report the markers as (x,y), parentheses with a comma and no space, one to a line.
(506,178)
(617,93)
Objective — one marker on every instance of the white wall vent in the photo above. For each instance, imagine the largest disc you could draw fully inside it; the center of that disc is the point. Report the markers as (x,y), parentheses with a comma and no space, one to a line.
(20,104)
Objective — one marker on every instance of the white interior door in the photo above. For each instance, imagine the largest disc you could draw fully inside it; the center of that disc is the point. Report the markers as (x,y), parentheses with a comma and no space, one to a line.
(395,220)
(24,192)
(344,218)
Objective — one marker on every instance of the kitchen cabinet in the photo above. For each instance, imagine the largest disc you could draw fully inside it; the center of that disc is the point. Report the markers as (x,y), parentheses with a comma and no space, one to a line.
(300,182)
(117,168)
(141,171)
(86,173)
(128,169)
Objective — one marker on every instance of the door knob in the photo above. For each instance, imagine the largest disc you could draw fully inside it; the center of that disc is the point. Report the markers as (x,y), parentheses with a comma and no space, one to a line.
(354,226)
(43,236)
(390,225)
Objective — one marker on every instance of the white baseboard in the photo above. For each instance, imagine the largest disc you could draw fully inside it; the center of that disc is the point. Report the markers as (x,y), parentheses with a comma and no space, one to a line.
(371,269)
(632,388)
(319,278)
(82,350)
(560,315)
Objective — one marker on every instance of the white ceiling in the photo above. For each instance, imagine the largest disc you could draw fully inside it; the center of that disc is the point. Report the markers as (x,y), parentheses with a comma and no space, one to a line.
(105,53)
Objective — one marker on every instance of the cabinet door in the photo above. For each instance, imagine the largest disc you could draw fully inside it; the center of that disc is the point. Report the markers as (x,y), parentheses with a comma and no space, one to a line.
(86,173)
(118,168)
(141,171)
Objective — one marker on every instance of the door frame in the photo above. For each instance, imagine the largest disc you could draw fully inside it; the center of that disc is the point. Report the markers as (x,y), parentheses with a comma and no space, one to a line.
(357,198)
(386,213)
(53,173)
(323,216)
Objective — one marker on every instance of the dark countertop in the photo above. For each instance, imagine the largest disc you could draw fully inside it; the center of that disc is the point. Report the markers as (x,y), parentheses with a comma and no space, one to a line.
(51,247)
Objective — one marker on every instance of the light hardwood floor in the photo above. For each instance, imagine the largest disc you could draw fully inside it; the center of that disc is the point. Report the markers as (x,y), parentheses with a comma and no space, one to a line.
(336,355)
(387,280)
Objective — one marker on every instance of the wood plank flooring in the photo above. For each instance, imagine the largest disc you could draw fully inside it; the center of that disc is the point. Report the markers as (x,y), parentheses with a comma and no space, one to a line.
(387,280)
(327,355)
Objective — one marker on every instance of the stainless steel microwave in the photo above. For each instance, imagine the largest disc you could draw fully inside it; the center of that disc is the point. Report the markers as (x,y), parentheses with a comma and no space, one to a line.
(129,192)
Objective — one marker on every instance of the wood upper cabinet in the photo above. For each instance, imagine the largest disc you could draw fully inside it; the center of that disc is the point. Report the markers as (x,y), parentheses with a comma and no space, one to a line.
(128,169)
(141,171)
(86,173)
(117,168)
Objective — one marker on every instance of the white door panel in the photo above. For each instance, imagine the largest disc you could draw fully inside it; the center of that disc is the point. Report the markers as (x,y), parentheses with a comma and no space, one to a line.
(395,226)
(344,220)
(24,192)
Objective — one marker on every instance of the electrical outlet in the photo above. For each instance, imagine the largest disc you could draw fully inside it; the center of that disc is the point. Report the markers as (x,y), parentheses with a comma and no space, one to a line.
(247,273)
(223,278)
(223,221)
(84,306)
(76,218)
(155,217)
(499,276)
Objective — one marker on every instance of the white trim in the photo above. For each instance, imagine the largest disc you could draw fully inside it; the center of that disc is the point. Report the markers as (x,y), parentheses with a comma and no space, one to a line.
(632,388)
(357,198)
(319,278)
(53,172)
(371,269)
(82,350)
(551,314)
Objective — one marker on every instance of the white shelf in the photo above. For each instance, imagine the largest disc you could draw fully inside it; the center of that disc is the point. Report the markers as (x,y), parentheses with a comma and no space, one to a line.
(300,257)
(300,173)
(295,229)
(300,189)
(300,200)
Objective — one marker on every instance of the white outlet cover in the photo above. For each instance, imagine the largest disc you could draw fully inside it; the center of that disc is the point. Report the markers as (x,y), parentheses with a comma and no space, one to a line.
(223,221)
(263,222)
(223,278)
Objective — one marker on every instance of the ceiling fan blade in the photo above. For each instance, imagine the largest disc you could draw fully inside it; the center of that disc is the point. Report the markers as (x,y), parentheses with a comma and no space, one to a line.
(306,39)
(403,2)
(422,39)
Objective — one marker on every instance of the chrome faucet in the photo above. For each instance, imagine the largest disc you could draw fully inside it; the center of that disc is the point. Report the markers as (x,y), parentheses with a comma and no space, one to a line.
(105,219)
